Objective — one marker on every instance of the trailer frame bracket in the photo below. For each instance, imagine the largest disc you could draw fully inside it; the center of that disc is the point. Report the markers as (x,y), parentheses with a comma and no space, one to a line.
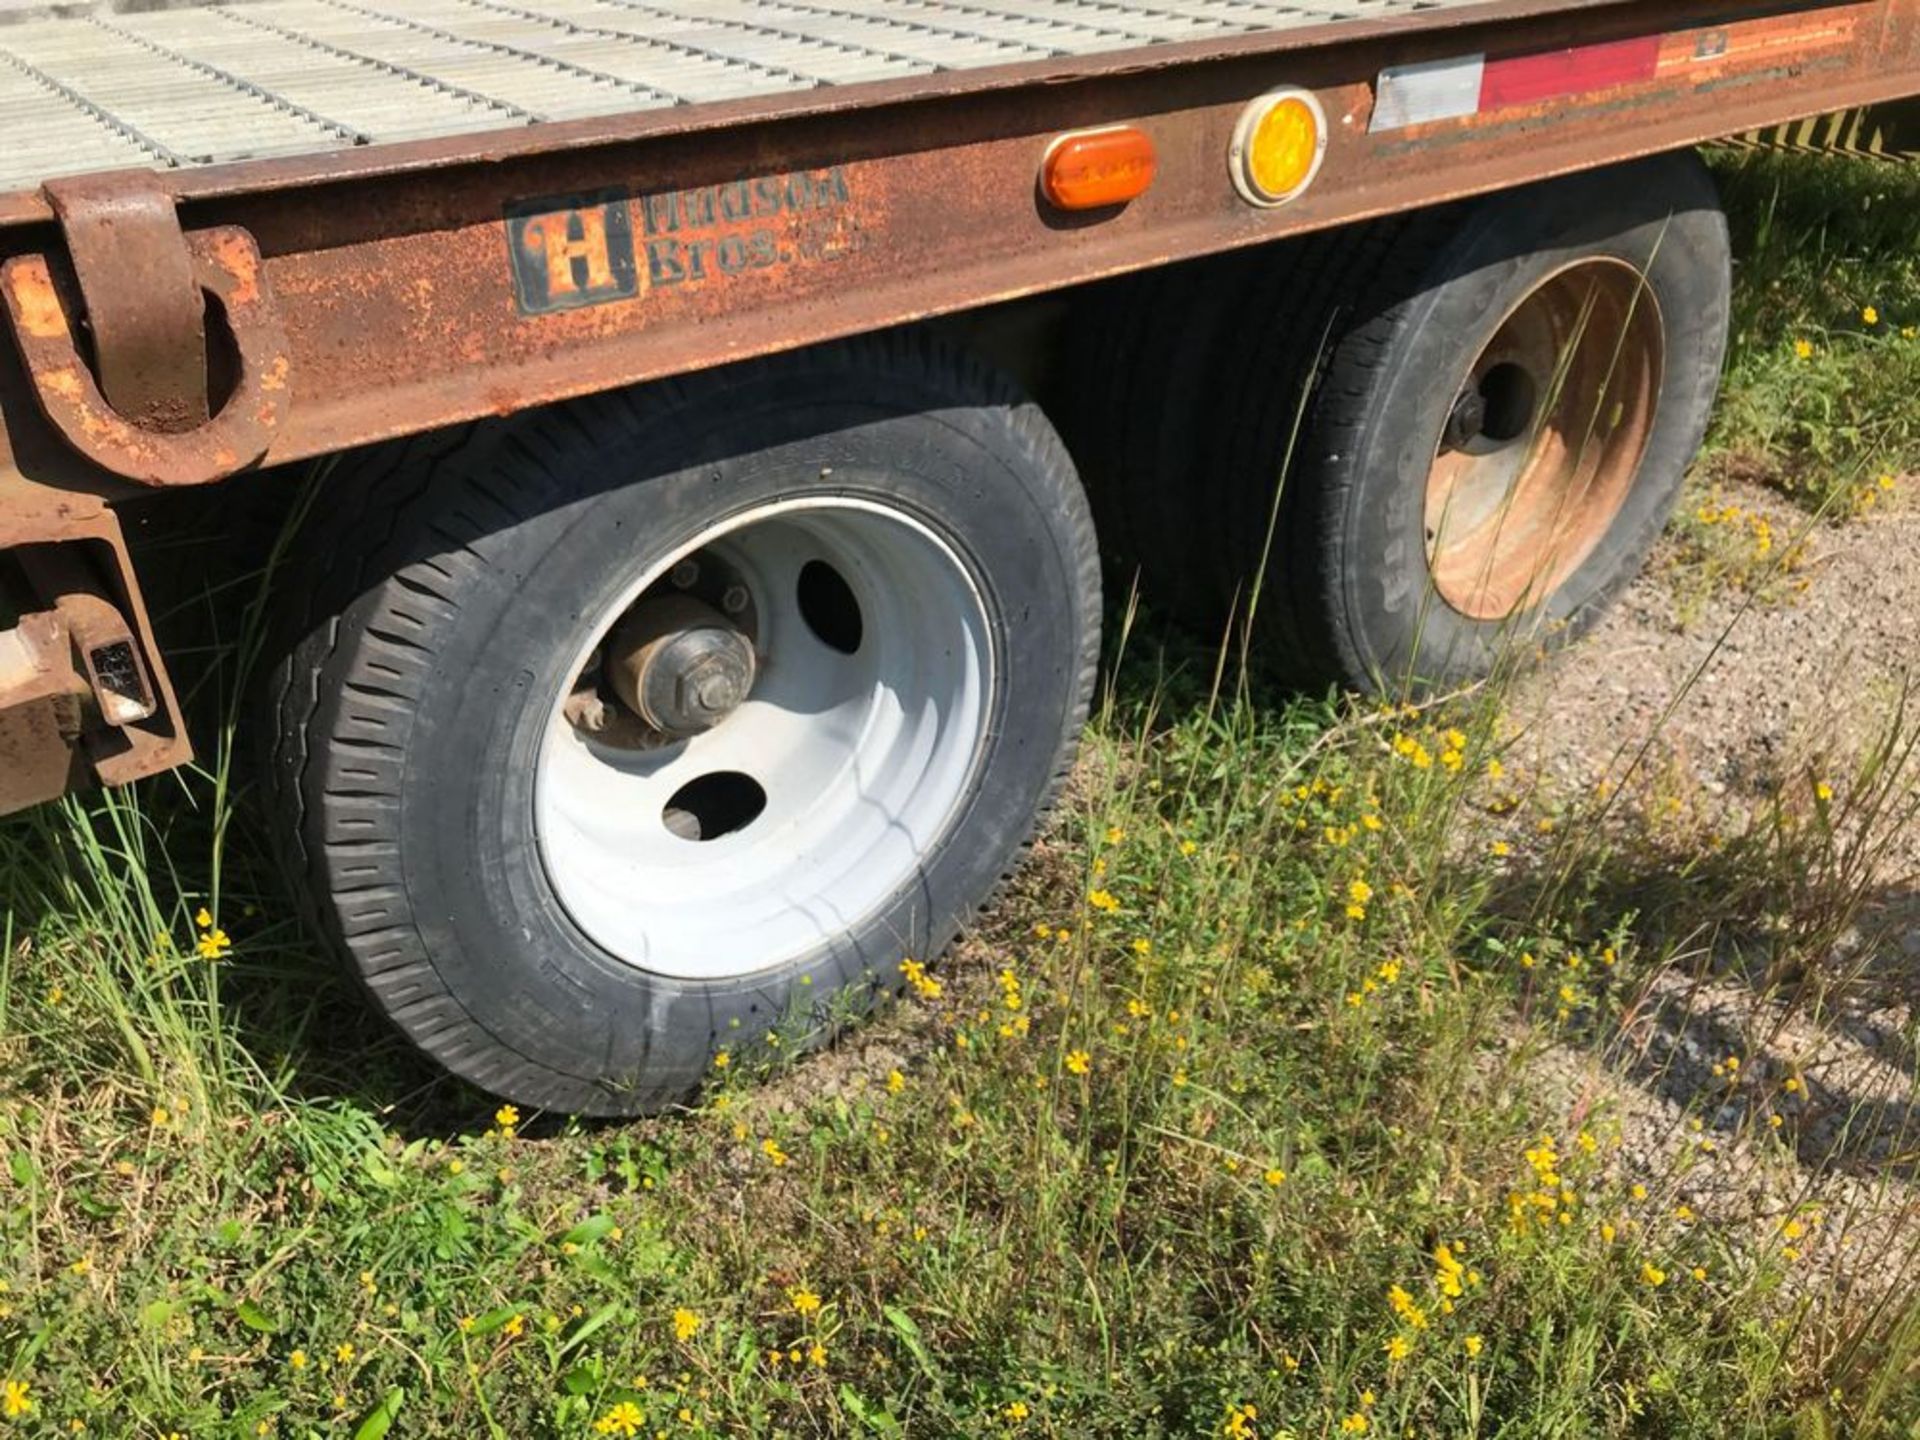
(169,316)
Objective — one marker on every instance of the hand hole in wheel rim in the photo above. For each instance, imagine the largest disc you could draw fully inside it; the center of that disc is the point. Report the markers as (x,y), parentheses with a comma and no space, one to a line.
(1567,390)
(1509,396)
(828,606)
(713,806)
(862,759)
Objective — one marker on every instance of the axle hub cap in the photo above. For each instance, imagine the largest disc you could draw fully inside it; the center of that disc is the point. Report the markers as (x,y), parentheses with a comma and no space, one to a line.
(681,665)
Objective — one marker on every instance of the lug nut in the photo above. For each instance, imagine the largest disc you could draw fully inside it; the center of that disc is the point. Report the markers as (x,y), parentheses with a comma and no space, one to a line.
(1466,421)
(734,600)
(685,573)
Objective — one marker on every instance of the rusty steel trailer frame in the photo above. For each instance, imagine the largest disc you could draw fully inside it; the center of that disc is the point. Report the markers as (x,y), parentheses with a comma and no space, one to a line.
(346,298)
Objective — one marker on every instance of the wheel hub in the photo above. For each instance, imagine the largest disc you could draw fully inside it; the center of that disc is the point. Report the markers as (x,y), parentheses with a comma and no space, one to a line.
(681,665)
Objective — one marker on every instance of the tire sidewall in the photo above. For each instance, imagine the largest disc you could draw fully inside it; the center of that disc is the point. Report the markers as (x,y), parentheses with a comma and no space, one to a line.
(480,894)
(1398,626)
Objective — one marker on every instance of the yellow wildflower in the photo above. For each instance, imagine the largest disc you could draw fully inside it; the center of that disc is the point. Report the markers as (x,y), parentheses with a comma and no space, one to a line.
(623,1419)
(1079,1062)
(16,1401)
(1404,1307)
(686,1324)
(804,1301)
(923,984)
(1472,1345)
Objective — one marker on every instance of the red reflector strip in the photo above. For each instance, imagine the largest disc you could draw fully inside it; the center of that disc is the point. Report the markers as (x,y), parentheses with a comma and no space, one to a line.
(1558,74)
(1408,95)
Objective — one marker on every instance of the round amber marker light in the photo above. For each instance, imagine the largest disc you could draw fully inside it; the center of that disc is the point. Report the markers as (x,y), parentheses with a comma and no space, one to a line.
(1278,146)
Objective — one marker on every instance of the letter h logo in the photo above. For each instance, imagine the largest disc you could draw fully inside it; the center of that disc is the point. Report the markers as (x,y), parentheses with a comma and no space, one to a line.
(572,250)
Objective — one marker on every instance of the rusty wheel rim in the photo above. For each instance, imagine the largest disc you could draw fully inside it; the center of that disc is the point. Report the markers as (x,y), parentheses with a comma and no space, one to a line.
(1544,440)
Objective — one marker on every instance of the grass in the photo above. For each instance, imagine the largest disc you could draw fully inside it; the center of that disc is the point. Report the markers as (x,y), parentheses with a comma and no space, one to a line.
(1825,346)
(1814,427)
(1305,1085)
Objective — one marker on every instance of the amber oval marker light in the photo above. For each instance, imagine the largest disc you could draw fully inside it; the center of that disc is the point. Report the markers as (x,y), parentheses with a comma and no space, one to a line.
(1278,146)
(1095,169)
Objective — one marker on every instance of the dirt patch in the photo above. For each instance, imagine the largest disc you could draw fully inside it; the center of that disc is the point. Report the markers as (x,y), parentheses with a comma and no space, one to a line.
(1711,720)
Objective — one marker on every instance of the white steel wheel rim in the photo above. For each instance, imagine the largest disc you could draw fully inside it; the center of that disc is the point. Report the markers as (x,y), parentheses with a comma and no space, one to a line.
(864,759)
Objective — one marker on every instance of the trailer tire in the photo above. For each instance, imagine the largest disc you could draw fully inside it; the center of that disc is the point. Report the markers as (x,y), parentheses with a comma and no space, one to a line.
(504,877)
(1374,583)
(1142,357)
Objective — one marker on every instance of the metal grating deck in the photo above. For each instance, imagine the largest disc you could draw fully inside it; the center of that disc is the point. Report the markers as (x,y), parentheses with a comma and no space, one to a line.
(197,84)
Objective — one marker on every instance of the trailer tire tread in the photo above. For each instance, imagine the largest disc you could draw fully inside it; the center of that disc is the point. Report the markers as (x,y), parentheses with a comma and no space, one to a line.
(1291,362)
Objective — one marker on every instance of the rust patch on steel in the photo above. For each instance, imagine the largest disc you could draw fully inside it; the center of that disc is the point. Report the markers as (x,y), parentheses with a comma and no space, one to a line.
(226,268)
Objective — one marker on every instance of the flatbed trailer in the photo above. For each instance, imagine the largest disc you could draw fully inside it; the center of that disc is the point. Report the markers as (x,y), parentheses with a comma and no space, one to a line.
(235,236)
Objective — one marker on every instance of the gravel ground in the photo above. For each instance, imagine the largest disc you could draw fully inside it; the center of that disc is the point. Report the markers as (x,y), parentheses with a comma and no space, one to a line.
(1796,678)
(1773,694)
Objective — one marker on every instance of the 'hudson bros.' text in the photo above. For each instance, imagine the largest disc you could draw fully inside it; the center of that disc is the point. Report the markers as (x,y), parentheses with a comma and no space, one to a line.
(584,250)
